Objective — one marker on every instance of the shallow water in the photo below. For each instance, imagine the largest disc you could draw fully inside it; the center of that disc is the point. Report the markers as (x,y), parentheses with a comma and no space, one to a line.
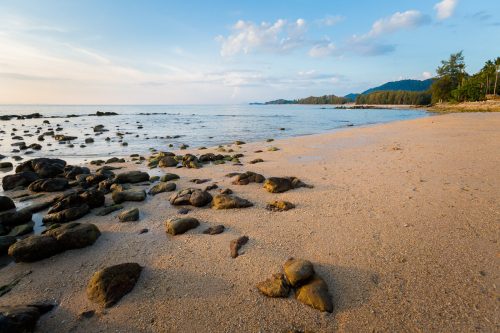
(197,125)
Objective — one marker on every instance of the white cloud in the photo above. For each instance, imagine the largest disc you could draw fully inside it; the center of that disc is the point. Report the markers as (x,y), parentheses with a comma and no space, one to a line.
(398,21)
(323,50)
(445,8)
(427,75)
(247,37)
(330,20)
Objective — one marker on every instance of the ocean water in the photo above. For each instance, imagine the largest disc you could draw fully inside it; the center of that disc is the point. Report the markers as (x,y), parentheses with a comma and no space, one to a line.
(194,125)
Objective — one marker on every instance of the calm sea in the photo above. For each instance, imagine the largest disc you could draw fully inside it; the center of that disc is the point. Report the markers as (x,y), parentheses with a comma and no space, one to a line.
(194,125)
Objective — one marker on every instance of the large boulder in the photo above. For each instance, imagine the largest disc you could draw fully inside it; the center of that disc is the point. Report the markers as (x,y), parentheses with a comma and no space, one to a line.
(298,271)
(49,185)
(315,294)
(74,235)
(225,201)
(44,167)
(178,226)
(130,195)
(6,203)
(108,286)
(132,177)
(34,248)
(191,196)
(22,318)
(21,179)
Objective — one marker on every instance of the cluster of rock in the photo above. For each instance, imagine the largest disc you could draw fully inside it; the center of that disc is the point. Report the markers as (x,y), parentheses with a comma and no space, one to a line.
(299,275)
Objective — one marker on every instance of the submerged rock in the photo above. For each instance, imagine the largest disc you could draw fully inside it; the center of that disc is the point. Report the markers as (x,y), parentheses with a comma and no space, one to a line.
(109,285)
(178,226)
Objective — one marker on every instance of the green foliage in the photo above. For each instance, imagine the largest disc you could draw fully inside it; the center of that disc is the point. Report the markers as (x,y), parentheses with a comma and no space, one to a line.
(327,99)
(398,97)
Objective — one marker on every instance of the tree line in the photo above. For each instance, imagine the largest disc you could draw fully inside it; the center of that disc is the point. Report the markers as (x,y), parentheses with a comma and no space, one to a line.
(398,97)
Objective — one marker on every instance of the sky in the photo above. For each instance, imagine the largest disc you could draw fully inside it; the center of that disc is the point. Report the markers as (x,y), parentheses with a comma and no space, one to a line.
(230,52)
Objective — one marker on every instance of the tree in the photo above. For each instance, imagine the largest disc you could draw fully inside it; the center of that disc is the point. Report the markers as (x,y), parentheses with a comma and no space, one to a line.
(497,69)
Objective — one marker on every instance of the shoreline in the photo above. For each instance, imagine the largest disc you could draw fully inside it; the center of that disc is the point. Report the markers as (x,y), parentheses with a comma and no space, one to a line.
(394,206)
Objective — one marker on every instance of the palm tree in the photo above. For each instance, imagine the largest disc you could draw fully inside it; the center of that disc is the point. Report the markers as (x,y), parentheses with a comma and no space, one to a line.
(497,68)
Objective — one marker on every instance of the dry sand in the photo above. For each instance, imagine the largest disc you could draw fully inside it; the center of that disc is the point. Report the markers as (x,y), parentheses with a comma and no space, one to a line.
(403,224)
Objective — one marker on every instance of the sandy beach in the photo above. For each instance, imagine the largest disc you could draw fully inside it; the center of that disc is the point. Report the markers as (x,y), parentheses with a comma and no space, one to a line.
(402,224)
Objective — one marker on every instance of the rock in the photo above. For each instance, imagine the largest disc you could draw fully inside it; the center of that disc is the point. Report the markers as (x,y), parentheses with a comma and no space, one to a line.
(115,160)
(89,140)
(62,137)
(6,203)
(183,211)
(5,243)
(67,215)
(168,177)
(211,187)
(132,177)
(224,201)
(131,195)
(248,177)
(276,286)
(236,245)
(109,209)
(167,161)
(22,229)
(44,167)
(226,191)
(94,198)
(191,196)
(86,314)
(315,294)
(49,185)
(178,226)
(218,229)
(22,318)
(129,215)
(298,271)
(279,185)
(74,235)
(70,172)
(11,218)
(34,248)
(257,160)
(21,179)
(279,206)
(143,231)
(162,187)
(6,165)
(108,286)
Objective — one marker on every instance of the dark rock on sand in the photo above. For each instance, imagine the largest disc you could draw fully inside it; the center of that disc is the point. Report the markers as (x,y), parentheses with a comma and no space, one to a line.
(224,201)
(13,217)
(298,271)
(236,245)
(248,177)
(178,226)
(6,165)
(5,243)
(279,206)
(34,248)
(130,215)
(21,179)
(49,185)
(22,318)
(315,294)
(257,160)
(130,195)
(67,215)
(108,286)
(74,235)
(162,187)
(276,286)
(191,196)
(22,229)
(115,160)
(6,203)
(132,177)
(109,209)
(168,177)
(167,161)
(279,185)
(218,229)
(183,211)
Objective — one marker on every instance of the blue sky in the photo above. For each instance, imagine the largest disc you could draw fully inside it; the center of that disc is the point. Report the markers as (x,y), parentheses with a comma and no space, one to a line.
(203,52)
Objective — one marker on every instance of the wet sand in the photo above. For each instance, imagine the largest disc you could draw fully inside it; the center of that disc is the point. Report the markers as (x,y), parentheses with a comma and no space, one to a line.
(402,223)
